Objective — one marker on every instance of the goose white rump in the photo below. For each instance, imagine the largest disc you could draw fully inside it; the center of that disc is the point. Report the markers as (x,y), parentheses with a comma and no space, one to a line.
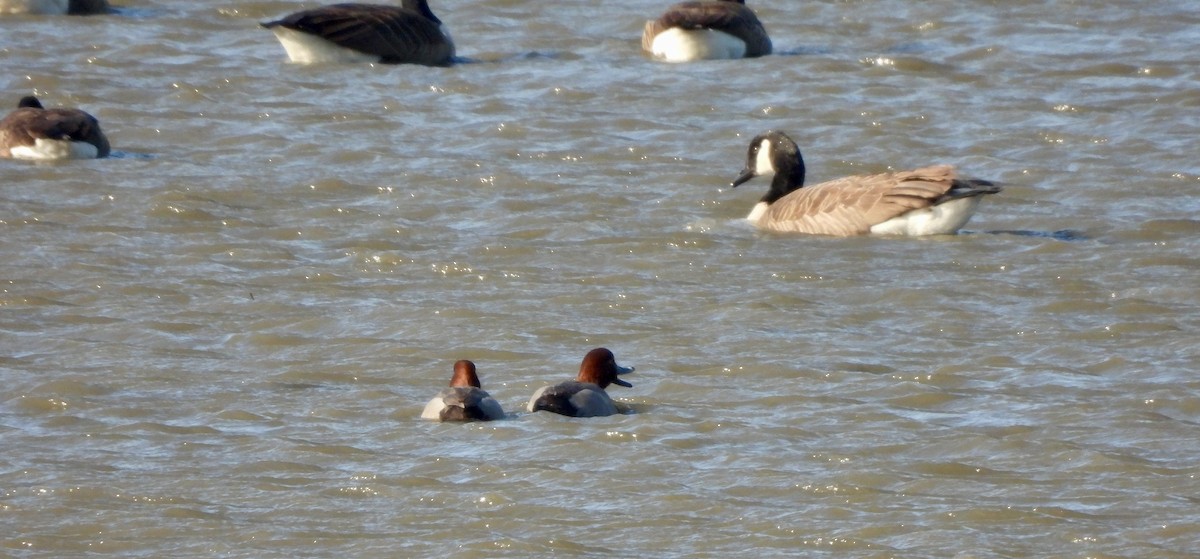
(709,30)
(682,45)
(405,34)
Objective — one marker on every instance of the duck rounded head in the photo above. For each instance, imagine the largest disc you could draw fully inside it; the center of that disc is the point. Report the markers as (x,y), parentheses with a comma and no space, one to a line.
(773,153)
(464,375)
(600,367)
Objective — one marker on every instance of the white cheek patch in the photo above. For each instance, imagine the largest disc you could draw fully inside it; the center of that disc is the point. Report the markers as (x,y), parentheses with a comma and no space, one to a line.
(763,165)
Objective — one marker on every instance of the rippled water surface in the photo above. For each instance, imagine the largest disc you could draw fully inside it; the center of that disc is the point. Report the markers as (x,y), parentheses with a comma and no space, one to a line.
(218,342)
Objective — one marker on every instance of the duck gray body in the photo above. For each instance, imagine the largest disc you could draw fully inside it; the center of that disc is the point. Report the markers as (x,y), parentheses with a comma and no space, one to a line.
(584,396)
(464,400)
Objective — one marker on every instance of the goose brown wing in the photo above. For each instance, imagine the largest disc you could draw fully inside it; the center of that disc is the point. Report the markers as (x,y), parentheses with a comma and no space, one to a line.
(396,35)
(852,205)
(27,125)
(727,17)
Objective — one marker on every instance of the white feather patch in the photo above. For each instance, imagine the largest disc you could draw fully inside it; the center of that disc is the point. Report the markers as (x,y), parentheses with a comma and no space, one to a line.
(684,45)
(47,150)
(757,213)
(765,163)
(304,48)
(942,219)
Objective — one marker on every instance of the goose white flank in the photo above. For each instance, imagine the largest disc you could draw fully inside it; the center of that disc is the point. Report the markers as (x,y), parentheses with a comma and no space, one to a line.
(405,34)
(706,30)
(35,132)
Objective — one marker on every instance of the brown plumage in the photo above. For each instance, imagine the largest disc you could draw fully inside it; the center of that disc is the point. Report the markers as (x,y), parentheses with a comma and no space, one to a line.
(409,33)
(464,375)
(22,128)
(927,201)
(727,16)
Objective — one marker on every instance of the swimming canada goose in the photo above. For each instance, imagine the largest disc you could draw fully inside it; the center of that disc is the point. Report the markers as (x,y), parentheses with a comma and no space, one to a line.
(464,400)
(405,34)
(706,31)
(584,396)
(35,132)
(54,7)
(926,201)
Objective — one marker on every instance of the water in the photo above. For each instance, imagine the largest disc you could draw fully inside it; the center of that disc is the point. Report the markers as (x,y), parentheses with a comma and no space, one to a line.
(218,343)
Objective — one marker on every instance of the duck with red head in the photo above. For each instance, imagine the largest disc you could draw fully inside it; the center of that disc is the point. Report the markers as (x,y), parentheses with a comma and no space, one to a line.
(464,400)
(584,396)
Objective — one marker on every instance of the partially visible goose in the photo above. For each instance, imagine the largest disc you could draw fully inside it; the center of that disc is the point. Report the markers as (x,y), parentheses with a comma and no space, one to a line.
(584,396)
(408,34)
(35,132)
(54,7)
(465,400)
(926,201)
(706,30)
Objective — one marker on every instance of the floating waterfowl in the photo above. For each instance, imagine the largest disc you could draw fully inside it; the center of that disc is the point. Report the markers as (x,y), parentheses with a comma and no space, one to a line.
(584,396)
(709,30)
(35,132)
(926,201)
(405,34)
(464,400)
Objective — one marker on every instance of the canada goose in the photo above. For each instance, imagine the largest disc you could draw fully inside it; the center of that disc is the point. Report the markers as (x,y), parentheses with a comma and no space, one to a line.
(706,30)
(464,400)
(408,34)
(584,396)
(926,201)
(35,132)
(54,7)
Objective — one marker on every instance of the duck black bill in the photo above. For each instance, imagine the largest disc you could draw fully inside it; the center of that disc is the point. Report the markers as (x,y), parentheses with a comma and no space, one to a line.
(623,371)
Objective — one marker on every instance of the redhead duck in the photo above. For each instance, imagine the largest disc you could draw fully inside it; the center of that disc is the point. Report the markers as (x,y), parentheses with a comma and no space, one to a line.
(711,30)
(465,400)
(405,34)
(35,132)
(927,201)
(584,396)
